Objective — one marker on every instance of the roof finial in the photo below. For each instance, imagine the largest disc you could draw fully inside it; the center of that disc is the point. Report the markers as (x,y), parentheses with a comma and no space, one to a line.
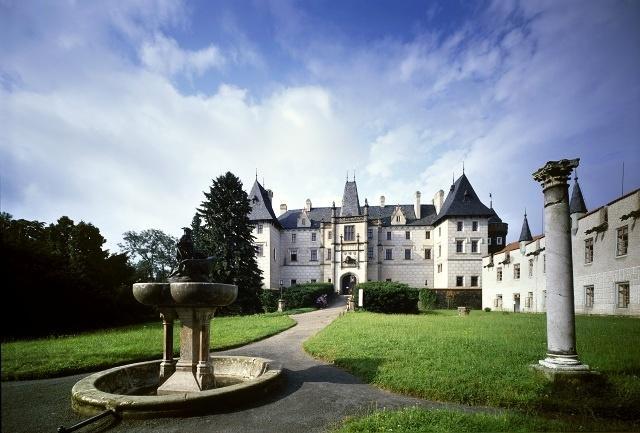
(263,184)
(354,175)
(463,166)
(256,173)
(453,177)
(490,201)
(525,212)
(347,175)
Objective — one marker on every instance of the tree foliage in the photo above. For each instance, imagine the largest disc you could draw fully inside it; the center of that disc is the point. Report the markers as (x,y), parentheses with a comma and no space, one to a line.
(152,252)
(61,278)
(222,229)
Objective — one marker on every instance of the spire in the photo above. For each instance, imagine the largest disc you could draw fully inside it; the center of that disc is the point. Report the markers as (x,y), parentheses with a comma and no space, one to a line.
(576,205)
(350,201)
(525,233)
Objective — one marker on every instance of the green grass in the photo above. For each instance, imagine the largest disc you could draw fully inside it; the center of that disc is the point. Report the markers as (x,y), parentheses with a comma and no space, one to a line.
(57,356)
(484,358)
(415,420)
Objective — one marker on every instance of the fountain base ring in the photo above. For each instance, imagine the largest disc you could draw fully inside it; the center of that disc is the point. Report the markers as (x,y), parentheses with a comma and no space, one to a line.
(130,389)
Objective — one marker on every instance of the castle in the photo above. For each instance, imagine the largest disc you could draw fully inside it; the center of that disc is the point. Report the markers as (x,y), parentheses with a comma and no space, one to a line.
(439,245)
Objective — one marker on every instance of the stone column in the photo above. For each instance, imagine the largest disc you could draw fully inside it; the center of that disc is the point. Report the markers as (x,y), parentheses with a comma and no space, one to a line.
(204,369)
(168,365)
(561,335)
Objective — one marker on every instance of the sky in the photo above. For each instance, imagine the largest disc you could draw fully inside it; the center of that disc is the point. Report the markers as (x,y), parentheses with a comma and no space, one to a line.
(121,113)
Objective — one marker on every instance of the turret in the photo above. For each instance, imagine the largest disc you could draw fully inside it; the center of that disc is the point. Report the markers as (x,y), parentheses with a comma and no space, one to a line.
(525,234)
(577,208)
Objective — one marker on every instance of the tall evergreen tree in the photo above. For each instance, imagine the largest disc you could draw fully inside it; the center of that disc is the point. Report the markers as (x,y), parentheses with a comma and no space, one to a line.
(226,234)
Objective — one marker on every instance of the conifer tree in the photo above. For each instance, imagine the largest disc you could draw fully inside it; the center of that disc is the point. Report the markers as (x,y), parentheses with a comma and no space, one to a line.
(226,234)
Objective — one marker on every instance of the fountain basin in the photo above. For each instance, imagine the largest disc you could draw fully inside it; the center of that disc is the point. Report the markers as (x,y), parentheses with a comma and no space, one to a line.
(130,389)
(185,294)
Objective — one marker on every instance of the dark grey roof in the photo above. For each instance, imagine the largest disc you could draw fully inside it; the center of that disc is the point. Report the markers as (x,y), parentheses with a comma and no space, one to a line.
(576,205)
(494,218)
(261,209)
(462,200)
(289,220)
(350,201)
(525,233)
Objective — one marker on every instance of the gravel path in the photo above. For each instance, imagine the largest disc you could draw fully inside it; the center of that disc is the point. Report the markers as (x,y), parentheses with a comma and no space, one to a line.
(315,397)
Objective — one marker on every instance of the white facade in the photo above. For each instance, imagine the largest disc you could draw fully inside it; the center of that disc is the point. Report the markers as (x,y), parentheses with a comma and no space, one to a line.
(606,265)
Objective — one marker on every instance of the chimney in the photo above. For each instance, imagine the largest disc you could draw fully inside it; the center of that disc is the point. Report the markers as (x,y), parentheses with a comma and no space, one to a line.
(283,208)
(270,194)
(416,207)
(438,199)
(381,201)
(307,205)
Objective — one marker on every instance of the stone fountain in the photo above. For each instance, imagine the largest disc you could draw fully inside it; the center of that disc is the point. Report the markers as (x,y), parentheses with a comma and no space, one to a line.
(196,382)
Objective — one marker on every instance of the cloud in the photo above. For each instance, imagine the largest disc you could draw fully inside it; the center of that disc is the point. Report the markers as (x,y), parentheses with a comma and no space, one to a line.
(164,56)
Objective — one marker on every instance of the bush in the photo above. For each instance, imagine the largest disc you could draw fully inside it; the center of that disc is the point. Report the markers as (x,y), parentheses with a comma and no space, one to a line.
(389,297)
(306,295)
(487,309)
(426,300)
(269,300)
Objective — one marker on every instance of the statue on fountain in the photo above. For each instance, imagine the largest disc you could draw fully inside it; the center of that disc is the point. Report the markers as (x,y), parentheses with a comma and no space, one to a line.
(193,266)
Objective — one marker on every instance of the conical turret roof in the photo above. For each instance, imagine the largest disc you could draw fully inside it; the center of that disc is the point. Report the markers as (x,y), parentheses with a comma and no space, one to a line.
(576,205)
(525,233)
(261,209)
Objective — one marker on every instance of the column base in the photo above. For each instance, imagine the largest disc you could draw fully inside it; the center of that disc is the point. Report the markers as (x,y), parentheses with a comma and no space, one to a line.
(204,376)
(167,368)
(558,367)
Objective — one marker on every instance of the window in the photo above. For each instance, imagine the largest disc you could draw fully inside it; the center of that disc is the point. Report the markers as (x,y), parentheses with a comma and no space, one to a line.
(260,250)
(499,240)
(459,226)
(259,228)
(440,268)
(439,250)
(459,281)
(369,233)
(426,282)
(388,254)
(293,282)
(499,274)
(427,253)
(588,296)
(407,235)
(328,254)
(459,246)
(488,241)
(389,235)
(398,218)
(623,241)
(516,271)
(439,231)
(275,255)
(623,295)
(544,264)
(304,222)
(293,237)
(427,234)
(314,255)
(370,253)
(330,234)
(474,281)
(474,246)
(588,250)
(407,253)
(528,301)
(349,233)
(294,255)
(498,301)
(313,280)
(329,280)
(313,237)
(530,268)
(474,226)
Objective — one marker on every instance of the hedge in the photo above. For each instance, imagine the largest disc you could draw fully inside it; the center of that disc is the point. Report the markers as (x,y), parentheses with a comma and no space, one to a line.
(297,296)
(389,297)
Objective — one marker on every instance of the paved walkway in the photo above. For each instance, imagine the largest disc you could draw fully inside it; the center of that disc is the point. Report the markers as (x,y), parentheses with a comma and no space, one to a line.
(316,395)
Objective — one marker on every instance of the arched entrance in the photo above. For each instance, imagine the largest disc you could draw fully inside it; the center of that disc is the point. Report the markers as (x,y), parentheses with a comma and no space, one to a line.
(347,283)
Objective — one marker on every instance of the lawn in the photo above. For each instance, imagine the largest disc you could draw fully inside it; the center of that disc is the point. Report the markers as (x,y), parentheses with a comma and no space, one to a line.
(484,358)
(57,356)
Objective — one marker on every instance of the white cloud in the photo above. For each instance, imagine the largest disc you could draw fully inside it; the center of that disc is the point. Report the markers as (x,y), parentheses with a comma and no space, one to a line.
(163,55)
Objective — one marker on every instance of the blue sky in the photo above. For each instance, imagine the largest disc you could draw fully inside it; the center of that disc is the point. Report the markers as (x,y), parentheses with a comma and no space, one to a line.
(120,113)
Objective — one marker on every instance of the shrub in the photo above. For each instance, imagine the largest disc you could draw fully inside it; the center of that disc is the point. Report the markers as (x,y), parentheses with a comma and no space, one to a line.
(389,297)
(305,295)
(426,299)
(487,309)
(269,300)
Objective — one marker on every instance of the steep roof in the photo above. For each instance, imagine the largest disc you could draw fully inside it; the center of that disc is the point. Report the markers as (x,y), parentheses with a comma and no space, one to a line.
(576,205)
(350,201)
(289,220)
(525,233)
(261,209)
(462,200)
(515,245)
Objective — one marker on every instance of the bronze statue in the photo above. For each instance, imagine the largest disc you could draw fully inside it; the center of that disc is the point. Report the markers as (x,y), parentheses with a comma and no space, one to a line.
(192,265)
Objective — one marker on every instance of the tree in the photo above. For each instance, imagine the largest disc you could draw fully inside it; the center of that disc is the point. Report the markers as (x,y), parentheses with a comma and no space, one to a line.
(152,252)
(226,234)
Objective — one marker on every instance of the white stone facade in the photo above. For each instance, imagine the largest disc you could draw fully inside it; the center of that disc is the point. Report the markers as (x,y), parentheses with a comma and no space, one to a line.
(606,265)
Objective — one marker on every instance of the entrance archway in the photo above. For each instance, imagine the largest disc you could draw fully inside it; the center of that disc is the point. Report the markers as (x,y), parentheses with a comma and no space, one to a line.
(347,283)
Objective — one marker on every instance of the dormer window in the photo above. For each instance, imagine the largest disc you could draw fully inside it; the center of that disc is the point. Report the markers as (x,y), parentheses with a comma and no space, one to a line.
(398,218)
(304,222)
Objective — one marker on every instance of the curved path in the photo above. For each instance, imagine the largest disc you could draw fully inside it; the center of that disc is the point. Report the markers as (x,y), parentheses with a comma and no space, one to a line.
(316,395)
